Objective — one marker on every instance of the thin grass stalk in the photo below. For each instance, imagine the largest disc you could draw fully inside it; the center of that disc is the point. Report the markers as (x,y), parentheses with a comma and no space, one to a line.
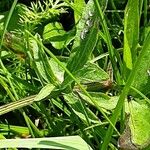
(3,83)
(28,124)
(141,94)
(37,132)
(141,6)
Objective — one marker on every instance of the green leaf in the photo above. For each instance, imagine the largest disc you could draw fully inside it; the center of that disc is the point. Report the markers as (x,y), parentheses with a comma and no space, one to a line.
(142,77)
(81,54)
(69,143)
(58,71)
(79,6)
(40,62)
(55,34)
(45,91)
(102,100)
(88,9)
(137,132)
(91,73)
(131,33)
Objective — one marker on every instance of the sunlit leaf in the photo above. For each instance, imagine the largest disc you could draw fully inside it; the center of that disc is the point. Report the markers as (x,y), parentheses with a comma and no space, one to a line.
(137,132)
(131,33)
(69,143)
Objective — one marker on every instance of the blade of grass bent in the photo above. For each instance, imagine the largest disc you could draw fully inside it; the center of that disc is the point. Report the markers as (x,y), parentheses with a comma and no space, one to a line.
(124,93)
(70,74)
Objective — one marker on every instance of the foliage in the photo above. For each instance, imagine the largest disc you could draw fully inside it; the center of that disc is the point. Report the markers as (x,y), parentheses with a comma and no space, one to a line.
(80,83)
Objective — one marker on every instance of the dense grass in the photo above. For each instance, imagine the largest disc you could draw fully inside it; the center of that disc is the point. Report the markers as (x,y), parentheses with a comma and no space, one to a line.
(75,68)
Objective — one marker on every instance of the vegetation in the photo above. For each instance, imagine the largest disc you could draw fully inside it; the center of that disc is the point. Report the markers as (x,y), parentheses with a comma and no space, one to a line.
(75,74)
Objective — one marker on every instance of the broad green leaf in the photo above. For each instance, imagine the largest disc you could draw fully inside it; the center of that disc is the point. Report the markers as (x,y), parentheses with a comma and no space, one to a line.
(81,13)
(55,34)
(137,132)
(101,99)
(91,73)
(93,78)
(58,71)
(68,142)
(142,76)
(131,33)
(45,91)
